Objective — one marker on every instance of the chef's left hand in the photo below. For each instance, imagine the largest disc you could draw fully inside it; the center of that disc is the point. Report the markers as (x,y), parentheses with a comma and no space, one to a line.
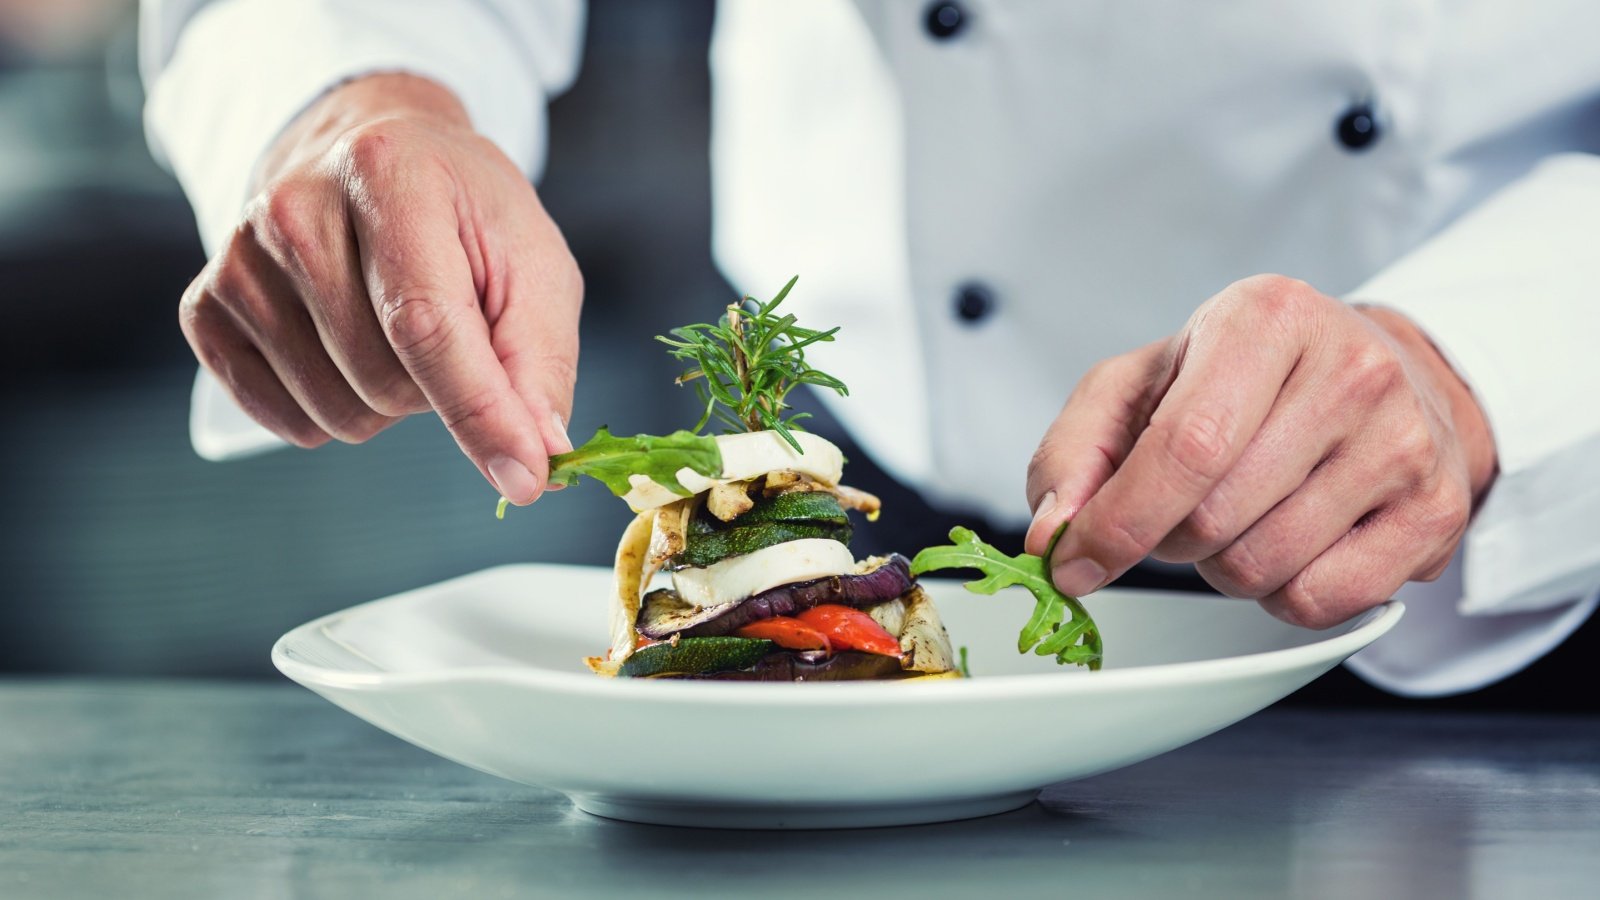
(1304,453)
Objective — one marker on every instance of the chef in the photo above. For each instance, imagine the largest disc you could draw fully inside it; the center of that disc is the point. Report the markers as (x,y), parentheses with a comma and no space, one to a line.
(1302,294)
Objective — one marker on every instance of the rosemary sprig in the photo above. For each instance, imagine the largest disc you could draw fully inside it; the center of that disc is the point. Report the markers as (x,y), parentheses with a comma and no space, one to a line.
(744,366)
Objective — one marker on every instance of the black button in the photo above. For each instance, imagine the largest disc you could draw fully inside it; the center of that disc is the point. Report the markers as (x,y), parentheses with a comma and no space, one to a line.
(974,302)
(1358,127)
(945,20)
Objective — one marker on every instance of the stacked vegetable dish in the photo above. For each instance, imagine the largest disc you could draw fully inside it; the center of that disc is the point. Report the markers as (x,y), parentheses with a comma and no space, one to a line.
(764,587)
(752,530)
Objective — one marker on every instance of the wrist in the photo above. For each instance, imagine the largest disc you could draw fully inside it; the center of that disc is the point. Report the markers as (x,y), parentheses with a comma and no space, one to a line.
(1467,417)
(355,103)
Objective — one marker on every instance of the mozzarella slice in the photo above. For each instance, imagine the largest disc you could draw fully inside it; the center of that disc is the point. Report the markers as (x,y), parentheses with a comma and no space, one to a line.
(739,577)
(745,456)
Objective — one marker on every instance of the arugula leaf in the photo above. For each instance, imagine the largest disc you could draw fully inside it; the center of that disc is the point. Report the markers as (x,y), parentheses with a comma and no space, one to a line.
(612,459)
(1048,632)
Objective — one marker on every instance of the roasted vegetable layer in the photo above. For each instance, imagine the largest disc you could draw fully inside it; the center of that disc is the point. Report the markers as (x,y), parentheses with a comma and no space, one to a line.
(663,614)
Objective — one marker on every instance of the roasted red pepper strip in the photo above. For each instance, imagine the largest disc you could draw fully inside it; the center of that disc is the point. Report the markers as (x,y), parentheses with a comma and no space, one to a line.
(788,633)
(851,629)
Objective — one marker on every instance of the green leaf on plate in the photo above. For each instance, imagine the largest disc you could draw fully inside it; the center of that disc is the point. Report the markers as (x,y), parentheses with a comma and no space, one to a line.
(1049,631)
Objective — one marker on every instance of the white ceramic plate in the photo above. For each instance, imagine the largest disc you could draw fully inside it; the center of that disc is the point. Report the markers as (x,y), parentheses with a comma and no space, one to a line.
(487,670)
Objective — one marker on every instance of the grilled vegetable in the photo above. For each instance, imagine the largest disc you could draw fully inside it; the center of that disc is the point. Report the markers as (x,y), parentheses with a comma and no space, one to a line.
(663,614)
(851,629)
(788,633)
(812,507)
(923,638)
(706,549)
(695,656)
(788,666)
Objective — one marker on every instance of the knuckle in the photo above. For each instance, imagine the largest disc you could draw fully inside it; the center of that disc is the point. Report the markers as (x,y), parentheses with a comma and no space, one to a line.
(1241,573)
(463,415)
(1278,297)
(372,148)
(287,214)
(1373,370)
(1041,464)
(359,426)
(561,368)
(1296,605)
(305,435)
(392,394)
(1197,442)
(197,310)
(230,279)
(1413,450)
(1445,514)
(1120,541)
(1207,526)
(416,326)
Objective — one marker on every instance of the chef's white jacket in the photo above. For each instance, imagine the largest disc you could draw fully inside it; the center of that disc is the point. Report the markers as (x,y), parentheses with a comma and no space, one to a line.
(994,196)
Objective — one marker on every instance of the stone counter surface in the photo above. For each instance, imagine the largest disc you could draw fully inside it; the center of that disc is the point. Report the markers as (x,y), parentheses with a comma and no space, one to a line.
(134,789)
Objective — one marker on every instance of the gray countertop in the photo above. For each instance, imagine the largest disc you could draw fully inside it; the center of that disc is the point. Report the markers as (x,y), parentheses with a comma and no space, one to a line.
(206,789)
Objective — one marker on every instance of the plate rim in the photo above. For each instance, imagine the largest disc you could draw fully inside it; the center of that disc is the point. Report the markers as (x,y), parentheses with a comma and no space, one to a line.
(1370,626)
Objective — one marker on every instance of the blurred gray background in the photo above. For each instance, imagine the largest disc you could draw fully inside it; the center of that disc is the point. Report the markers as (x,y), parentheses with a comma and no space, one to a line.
(123,553)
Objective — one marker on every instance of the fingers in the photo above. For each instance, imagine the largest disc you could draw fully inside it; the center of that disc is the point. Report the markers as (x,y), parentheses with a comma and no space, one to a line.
(1298,437)
(306,232)
(263,305)
(426,301)
(225,351)
(1292,534)
(1089,439)
(1237,355)
(1361,570)
(535,333)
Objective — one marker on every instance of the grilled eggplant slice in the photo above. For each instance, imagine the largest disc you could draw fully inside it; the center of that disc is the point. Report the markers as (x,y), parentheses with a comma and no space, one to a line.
(663,614)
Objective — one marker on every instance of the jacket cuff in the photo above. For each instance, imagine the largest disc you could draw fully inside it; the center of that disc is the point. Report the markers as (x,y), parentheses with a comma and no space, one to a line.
(1506,293)
(1436,650)
(225,83)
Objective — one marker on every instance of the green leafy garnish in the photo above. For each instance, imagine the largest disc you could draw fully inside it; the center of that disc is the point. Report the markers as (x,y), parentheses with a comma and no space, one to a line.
(612,459)
(962,668)
(744,366)
(1049,632)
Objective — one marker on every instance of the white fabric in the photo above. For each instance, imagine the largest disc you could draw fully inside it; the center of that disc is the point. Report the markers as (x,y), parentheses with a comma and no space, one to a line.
(1435,649)
(225,77)
(1511,292)
(1103,168)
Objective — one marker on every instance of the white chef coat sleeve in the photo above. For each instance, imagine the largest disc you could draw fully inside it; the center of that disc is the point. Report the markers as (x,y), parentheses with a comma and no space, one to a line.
(224,77)
(1507,293)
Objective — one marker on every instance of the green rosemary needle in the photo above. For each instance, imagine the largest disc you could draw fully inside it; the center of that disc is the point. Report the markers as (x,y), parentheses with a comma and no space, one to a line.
(744,365)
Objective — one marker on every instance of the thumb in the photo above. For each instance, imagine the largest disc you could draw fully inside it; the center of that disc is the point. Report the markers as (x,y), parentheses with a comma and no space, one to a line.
(421,286)
(535,331)
(1090,438)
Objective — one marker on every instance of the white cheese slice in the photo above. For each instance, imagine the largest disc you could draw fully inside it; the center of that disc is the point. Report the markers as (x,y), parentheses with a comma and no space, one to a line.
(738,577)
(745,456)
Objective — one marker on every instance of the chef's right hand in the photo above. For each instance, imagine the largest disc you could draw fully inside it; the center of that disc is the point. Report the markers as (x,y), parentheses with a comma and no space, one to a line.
(395,262)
